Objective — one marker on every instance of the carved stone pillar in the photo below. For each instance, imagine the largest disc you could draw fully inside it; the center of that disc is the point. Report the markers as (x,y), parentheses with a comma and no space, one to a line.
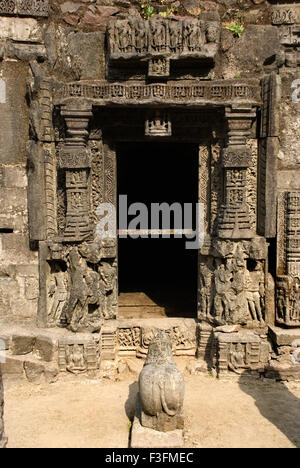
(234,220)
(75,158)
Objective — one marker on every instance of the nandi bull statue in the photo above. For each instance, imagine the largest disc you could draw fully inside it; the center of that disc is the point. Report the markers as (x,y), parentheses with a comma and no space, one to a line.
(161,387)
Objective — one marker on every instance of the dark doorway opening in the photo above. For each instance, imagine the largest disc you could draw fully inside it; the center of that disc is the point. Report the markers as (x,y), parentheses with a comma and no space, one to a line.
(157,276)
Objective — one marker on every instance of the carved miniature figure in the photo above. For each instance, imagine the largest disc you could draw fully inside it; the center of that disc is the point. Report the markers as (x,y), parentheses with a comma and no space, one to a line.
(161,387)
(236,362)
(192,35)
(222,285)
(123,36)
(175,35)
(75,309)
(75,359)
(107,289)
(256,293)
(157,35)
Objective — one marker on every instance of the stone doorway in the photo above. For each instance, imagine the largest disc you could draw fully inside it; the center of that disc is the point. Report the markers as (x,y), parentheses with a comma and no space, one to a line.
(157,276)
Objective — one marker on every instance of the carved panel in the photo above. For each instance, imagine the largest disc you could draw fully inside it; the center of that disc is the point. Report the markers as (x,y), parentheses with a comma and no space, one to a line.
(241,352)
(78,355)
(158,125)
(34,8)
(232,284)
(136,339)
(79,286)
(285,14)
(108,346)
(158,67)
(204,181)
(288,259)
(137,39)
(288,301)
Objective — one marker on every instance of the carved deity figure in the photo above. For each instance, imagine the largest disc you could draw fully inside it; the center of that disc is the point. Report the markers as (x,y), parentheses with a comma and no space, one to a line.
(157,35)
(161,387)
(140,35)
(295,301)
(237,359)
(222,286)
(75,358)
(256,293)
(175,36)
(192,35)
(59,293)
(107,288)
(212,32)
(75,308)
(123,36)
(205,290)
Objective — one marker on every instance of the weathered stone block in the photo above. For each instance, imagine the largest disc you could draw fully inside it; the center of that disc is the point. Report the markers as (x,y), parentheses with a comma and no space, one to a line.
(13,112)
(45,347)
(13,199)
(31,288)
(22,344)
(145,437)
(25,29)
(14,176)
(13,366)
(34,371)
(284,337)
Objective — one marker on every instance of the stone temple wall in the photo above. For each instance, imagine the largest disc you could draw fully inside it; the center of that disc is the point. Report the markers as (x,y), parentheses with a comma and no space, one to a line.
(57,62)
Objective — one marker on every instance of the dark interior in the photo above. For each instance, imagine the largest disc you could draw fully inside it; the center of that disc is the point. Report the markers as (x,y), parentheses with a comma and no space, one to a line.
(161,268)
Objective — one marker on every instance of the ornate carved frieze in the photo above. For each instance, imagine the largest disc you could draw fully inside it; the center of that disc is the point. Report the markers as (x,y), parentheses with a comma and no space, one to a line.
(196,94)
(234,220)
(34,8)
(137,39)
(134,339)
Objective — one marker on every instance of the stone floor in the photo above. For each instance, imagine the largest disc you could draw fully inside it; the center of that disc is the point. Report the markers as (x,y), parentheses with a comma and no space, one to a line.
(78,412)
